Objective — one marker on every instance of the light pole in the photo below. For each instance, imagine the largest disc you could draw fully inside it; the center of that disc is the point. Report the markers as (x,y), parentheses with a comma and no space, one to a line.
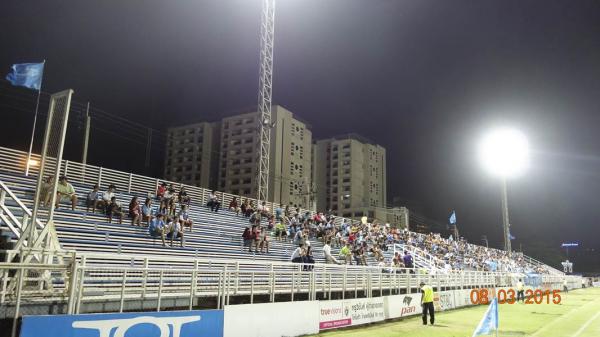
(505,153)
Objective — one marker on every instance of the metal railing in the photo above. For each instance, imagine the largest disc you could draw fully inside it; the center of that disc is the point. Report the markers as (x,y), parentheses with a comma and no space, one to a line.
(14,161)
(15,222)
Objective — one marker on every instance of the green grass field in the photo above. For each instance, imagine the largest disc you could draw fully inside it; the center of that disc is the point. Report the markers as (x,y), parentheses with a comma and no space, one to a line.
(578,315)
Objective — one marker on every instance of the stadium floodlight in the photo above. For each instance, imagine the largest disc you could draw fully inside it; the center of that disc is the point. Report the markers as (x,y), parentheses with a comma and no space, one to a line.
(505,153)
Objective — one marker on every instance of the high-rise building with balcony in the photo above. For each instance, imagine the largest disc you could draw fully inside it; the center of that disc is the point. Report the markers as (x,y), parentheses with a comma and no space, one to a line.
(350,176)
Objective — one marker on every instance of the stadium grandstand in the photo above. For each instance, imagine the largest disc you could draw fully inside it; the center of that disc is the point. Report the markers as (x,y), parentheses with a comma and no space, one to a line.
(112,265)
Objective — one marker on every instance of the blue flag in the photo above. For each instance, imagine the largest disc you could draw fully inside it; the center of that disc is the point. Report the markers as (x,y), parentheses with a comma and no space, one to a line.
(453,218)
(510,236)
(27,75)
(489,322)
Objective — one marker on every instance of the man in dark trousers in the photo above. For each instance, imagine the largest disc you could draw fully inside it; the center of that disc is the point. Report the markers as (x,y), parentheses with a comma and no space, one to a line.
(427,303)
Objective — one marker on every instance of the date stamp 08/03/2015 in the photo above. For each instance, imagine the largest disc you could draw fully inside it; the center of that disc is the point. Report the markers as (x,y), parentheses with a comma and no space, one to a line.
(511,296)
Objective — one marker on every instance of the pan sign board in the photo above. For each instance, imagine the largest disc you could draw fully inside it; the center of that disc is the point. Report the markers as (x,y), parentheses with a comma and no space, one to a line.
(569,244)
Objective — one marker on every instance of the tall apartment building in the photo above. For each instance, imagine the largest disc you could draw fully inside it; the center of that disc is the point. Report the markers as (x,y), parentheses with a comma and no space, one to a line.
(350,175)
(192,154)
(290,157)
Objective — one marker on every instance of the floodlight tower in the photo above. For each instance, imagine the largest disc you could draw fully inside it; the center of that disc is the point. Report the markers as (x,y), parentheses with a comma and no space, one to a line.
(505,153)
(265,91)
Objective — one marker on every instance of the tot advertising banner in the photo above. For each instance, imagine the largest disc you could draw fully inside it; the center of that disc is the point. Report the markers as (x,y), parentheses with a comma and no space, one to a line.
(336,314)
(140,324)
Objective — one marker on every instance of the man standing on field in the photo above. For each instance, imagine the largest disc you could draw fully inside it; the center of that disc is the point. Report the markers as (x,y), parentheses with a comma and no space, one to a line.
(427,303)
(520,291)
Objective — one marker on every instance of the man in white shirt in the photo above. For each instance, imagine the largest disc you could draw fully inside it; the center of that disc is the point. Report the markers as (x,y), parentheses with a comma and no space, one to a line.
(297,254)
(107,197)
(327,252)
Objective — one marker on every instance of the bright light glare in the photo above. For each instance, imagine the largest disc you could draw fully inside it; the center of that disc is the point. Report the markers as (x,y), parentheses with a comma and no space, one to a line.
(505,152)
(33,162)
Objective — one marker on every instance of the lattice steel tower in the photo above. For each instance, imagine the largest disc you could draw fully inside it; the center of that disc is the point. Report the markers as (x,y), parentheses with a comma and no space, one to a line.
(265,91)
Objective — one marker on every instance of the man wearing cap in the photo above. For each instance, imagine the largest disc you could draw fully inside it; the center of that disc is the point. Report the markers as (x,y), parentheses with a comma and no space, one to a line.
(427,303)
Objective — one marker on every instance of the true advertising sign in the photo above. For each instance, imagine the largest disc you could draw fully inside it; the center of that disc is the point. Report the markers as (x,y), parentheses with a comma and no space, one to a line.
(335,314)
(141,324)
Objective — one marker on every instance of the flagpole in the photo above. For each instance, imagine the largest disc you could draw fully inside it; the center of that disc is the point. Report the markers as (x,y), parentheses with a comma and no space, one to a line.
(37,105)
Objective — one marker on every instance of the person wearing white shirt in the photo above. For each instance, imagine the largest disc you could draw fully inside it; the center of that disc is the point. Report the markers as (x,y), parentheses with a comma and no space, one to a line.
(297,254)
(327,252)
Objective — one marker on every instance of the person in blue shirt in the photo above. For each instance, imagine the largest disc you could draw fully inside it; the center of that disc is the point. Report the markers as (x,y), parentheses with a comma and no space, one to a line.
(157,227)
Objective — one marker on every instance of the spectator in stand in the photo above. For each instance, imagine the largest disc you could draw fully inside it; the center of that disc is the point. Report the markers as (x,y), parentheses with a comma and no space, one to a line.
(168,201)
(184,218)
(308,259)
(346,253)
(160,191)
(359,254)
(408,260)
(264,241)
(233,206)
(280,231)
(298,254)
(256,230)
(114,209)
(255,218)
(157,228)
(327,253)
(91,200)
(213,202)
(244,208)
(135,212)
(173,230)
(247,237)
(183,197)
(147,211)
(263,209)
(250,209)
(65,190)
(106,197)
(46,192)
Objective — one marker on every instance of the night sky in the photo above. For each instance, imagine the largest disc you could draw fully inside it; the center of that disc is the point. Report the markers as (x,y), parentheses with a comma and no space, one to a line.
(422,78)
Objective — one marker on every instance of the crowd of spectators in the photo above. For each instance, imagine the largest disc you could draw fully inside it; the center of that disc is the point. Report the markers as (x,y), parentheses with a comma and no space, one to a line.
(359,243)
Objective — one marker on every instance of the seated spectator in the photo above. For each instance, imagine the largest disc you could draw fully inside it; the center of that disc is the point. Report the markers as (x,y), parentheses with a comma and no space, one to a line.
(147,211)
(114,209)
(263,209)
(46,192)
(160,191)
(168,201)
(65,191)
(308,259)
(244,208)
(183,197)
(247,236)
(250,209)
(233,206)
(91,200)
(106,197)
(173,230)
(157,228)
(184,218)
(298,254)
(213,202)
(135,212)
(346,253)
